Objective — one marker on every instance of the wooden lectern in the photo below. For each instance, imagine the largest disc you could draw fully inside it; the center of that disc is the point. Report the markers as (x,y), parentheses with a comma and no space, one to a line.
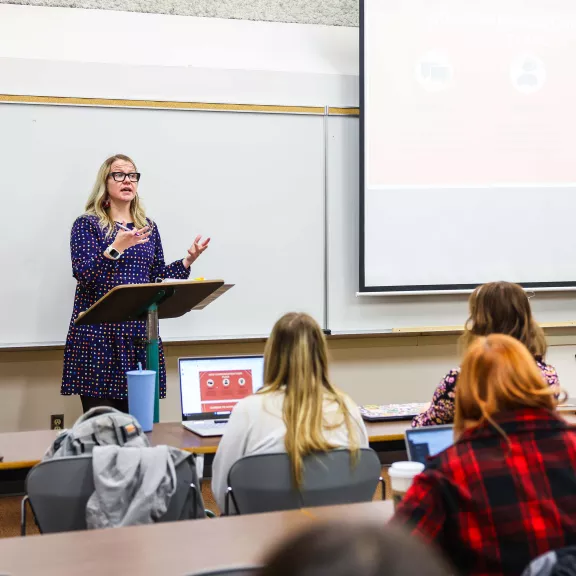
(152,302)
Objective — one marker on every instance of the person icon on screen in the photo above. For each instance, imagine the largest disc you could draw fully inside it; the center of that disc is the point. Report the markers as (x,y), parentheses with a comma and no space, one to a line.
(528,74)
(226,382)
(241,381)
(528,78)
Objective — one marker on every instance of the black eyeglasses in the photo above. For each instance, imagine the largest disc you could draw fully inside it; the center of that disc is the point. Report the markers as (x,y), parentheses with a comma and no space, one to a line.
(121,176)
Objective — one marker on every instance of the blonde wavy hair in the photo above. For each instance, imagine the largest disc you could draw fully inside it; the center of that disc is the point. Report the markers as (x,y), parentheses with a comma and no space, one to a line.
(97,204)
(296,362)
(499,374)
(503,308)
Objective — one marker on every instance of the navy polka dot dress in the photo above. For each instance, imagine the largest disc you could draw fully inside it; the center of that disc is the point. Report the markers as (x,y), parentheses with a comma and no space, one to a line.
(97,357)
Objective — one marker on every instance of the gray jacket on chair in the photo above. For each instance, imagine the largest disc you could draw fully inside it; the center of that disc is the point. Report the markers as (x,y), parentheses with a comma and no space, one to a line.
(132,485)
(133,482)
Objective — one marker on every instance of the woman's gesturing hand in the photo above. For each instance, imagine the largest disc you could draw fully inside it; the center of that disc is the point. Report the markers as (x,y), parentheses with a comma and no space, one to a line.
(127,238)
(195,250)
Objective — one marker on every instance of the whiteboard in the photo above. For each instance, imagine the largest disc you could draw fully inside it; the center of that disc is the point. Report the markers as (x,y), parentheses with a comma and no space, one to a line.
(349,313)
(253,182)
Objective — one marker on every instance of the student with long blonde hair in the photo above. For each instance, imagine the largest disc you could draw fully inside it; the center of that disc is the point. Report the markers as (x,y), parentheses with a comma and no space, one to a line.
(114,243)
(298,410)
(505,492)
(495,308)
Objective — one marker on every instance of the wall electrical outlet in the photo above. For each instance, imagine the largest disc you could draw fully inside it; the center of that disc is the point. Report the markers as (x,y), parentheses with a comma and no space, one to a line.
(57,422)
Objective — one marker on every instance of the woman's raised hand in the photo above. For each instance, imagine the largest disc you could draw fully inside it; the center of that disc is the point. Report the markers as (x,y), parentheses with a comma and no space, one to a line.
(195,250)
(126,238)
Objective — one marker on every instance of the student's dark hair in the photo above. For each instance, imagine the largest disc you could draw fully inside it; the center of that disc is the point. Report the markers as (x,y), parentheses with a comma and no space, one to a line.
(366,549)
(503,308)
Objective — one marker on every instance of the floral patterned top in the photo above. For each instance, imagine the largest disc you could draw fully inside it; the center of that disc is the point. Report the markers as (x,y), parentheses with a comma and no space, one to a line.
(441,409)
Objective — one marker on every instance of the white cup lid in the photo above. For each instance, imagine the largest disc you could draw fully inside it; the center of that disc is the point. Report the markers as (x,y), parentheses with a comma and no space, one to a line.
(406,469)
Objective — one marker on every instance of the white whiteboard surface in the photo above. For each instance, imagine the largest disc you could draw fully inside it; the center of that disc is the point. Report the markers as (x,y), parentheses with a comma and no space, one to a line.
(348,313)
(253,182)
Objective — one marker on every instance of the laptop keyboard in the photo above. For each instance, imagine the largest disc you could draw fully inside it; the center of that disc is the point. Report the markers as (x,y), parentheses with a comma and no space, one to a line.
(205,427)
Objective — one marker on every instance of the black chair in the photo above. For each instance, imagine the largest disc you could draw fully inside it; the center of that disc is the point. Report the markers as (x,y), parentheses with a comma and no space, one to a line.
(58,491)
(561,562)
(263,483)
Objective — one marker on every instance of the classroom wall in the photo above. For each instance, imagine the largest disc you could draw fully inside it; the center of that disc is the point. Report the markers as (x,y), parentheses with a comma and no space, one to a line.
(371,370)
(59,52)
(329,12)
(46,52)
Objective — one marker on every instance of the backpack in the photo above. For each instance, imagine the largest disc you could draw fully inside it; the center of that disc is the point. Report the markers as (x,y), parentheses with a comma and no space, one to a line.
(101,426)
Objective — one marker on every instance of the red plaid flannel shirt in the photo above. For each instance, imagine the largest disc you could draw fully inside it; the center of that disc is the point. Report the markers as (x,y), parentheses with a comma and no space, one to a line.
(492,508)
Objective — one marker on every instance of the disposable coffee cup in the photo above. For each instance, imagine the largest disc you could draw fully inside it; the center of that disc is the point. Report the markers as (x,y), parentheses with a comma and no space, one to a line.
(402,475)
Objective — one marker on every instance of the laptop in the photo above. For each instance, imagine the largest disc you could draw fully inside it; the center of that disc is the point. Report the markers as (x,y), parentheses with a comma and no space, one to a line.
(387,412)
(422,443)
(210,387)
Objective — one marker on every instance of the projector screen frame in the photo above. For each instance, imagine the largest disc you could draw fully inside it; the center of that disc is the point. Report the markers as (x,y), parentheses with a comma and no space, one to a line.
(411,289)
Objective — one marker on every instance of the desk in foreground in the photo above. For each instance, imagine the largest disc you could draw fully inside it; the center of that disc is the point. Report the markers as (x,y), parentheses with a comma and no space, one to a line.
(176,548)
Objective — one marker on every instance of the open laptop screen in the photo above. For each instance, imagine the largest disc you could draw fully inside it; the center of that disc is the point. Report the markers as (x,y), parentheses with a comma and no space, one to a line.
(211,387)
(429,441)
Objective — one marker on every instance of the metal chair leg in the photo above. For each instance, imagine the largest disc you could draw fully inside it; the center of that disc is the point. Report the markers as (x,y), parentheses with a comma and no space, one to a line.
(23,516)
(383,487)
(227,502)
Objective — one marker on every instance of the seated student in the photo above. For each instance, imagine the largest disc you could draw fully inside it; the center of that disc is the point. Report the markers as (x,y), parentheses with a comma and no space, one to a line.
(364,549)
(495,308)
(505,492)
(298,410)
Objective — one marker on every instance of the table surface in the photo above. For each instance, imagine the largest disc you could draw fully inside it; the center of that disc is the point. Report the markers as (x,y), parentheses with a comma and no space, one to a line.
(177,548)
(25,449)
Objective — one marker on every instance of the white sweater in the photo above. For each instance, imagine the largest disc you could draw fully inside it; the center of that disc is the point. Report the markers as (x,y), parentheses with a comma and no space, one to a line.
(256,427)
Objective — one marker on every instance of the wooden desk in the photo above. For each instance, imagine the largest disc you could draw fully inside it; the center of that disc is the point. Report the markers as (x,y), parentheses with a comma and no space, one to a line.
(177,548)
(174,434)
(25,449)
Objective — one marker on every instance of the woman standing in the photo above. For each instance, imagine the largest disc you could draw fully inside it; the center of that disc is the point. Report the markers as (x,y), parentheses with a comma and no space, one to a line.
(114,243)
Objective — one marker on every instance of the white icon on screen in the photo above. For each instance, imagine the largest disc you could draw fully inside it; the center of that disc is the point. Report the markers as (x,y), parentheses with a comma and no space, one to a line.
(226,382)
(241,381)
(434,72)
(210,383)
(527,74)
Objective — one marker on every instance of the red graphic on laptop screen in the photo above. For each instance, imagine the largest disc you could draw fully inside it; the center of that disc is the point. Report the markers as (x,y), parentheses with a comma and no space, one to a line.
(220,390)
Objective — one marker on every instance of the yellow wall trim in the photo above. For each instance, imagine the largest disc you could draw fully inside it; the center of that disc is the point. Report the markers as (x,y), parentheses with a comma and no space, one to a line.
(343,111)
(119,103)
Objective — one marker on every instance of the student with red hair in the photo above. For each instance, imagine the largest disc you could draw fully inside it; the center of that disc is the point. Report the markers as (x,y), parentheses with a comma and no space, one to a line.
(505,492)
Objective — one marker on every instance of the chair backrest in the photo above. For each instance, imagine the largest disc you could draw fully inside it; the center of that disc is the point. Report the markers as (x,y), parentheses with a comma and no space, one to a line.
(561,562)
(263,483)
(58,491)
(186,503)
